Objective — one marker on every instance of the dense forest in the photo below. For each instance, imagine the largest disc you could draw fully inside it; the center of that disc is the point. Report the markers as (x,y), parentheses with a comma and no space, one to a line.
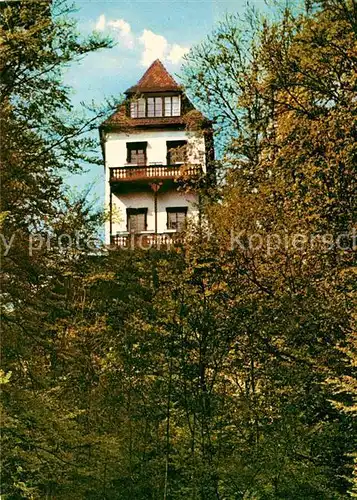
(224,368)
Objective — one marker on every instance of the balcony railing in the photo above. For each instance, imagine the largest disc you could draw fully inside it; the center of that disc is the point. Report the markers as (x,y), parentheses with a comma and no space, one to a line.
(160,172)
(146,241)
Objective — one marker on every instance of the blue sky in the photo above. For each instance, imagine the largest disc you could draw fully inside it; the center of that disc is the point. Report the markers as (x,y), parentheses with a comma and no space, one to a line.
(143,31)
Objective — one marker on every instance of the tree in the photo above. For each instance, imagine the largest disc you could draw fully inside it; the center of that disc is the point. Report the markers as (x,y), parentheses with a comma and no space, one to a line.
(288,100)
(345,393)
(41,139)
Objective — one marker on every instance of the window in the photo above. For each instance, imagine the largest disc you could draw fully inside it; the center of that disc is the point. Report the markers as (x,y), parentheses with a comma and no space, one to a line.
(154,106)
(136,153)
(138,108)
(176,218)
(172,106)
(176,152)
(136,219)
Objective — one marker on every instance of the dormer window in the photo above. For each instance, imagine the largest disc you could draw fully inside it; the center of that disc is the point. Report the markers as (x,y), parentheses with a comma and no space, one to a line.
(138,108)
(172,106)
(155,107)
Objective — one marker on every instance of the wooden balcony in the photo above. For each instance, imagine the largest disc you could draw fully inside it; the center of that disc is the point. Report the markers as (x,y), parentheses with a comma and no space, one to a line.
(145,241)
(153,172)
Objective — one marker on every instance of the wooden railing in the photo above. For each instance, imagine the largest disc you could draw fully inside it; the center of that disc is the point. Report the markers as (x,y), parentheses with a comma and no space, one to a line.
(133,173)
(146,241)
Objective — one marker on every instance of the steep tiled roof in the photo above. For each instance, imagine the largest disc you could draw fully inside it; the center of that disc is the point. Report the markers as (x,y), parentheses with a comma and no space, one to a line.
(155,79)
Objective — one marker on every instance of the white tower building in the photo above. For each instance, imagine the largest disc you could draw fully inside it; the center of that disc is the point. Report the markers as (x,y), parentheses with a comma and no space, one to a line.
(151,157)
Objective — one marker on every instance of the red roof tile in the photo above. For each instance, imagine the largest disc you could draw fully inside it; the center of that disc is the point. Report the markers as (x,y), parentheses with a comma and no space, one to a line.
(155,79)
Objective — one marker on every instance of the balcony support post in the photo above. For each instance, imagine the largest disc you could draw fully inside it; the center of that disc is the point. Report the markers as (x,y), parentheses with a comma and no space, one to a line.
(155,209)
(155,186)
(111,214)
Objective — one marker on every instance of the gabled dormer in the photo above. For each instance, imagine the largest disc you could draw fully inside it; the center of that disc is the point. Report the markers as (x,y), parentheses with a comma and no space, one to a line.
(156,101)
(156,94)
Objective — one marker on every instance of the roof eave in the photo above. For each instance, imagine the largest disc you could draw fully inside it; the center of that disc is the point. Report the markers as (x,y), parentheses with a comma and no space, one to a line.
(137,90)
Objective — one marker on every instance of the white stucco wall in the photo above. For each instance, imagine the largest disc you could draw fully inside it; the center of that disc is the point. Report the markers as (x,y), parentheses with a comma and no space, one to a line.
(146,200)
(115,146)
(115,153)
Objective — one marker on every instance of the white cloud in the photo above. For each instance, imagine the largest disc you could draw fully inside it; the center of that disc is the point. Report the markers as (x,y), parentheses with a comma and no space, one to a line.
(176,53)
(119,28)
(100,26)
(121,25)
(153,46)
(123,31)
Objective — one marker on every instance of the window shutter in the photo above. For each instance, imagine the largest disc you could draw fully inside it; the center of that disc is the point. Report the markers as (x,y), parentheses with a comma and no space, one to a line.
(158,106)
(176,218)
(141,108)
(136,219)
(180,220)
(151,107)
(140,222)
(138,157)
(175,106)
(136,153)
(168,106)
(134,109)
